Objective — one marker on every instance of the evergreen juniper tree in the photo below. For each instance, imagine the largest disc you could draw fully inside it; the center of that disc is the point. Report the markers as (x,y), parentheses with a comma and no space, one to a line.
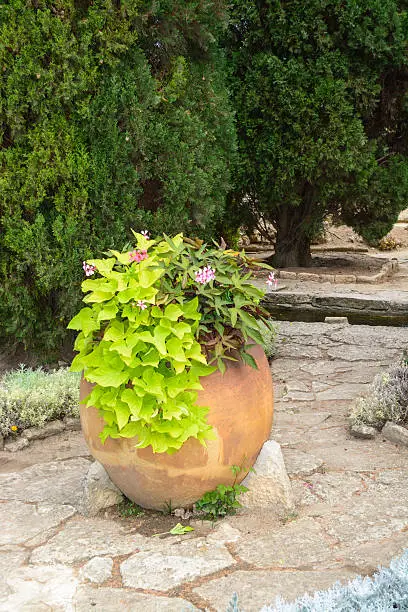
(320,93)
(114,115)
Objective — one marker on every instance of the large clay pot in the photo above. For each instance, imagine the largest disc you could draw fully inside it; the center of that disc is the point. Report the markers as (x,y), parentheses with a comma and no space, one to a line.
(241,410)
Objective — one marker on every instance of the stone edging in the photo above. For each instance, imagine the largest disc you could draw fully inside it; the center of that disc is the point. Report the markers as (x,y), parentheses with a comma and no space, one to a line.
(52,428)
(387,269)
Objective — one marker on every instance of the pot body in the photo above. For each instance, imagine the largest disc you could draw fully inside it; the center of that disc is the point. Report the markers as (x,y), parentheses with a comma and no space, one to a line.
(241,411)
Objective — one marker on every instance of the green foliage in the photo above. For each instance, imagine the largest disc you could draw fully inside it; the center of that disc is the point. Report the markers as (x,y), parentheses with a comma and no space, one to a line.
(127,509)
(178,529)
(153,326)
(320,91)
(112,115)
(269,333)
(220,502)
(223,500)
(30,398)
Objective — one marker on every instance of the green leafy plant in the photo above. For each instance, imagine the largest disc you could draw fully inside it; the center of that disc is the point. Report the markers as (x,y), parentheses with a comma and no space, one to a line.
(158,318)
(223,500)
(220,502)
(128,508)
(32,397)
(178,529)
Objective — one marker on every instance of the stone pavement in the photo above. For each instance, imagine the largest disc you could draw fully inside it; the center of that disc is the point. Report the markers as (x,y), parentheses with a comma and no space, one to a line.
(352,504)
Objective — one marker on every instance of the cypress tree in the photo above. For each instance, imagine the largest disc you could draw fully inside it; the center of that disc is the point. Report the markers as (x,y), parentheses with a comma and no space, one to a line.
(320,92)
(114,115)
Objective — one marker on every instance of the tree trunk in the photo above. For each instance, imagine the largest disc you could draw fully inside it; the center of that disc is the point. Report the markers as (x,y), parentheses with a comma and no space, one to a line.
(292,248)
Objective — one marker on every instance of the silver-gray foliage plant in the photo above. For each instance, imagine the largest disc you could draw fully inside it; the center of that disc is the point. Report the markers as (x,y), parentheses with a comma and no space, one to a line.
(32,397)
(387,400)
(387,590)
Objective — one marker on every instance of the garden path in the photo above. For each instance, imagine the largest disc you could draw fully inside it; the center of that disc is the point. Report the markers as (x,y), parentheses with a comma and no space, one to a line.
(352,504)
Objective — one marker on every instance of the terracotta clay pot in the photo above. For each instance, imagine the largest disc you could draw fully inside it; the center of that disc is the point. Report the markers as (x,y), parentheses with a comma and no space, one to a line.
(241,410)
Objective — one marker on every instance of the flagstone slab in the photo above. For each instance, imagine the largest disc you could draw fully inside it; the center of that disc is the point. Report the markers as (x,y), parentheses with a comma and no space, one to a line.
(299,463)
(356,455)
(56,482)
(300,543)
(370,517)
(97,569)
(20,522)
(85,538)
(11,557)
(88,599)
(40,588)
(256,589)
(368,557)
(170,565)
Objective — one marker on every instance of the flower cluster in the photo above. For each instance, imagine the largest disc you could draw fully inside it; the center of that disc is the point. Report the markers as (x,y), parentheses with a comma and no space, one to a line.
(138,256)
(142,304)
(272,280)
(145,234)
(205,275)
(88,269)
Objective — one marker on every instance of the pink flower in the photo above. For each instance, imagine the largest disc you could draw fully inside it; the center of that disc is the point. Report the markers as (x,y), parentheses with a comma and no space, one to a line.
(146,234)
(142,304)
(205,275)
(138,256)
(272,280)
(88,269)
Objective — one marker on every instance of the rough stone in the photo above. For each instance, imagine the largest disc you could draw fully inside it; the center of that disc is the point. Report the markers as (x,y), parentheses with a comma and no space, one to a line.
(288,275)
(363,431)
(356,353)
(259,588)
(363,278)
(72,424)
(269,484)
(49,429)
(332,488)
(366,558)
(28,520)
(342,391)
(86,538)
(307,276)
(344,278)
(38,589)
(97,491)
(300,543)
(327,278)
(169,565)
(1,443)
(16,445)
(299,463)
(88,599)
(371,517)
(395,433)
(56,482)
(377,278)
(356,455)
(98,569)
(223,533)
(332,320)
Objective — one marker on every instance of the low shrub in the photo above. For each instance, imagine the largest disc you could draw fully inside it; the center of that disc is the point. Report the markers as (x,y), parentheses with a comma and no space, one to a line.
(30,398)
(387,401)
(388,244)
(269,334)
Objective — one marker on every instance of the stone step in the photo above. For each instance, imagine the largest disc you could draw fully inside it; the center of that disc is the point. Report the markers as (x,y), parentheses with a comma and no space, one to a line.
(386,308)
